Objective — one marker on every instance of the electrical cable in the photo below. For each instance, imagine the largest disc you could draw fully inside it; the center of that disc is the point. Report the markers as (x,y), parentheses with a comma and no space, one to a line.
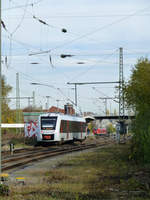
(91,67)
(22,6)
(105,95)
(94,31)
(21,20)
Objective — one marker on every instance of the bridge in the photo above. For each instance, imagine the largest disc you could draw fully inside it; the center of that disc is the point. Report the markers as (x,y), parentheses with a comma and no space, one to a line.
(114,117)
(100,117)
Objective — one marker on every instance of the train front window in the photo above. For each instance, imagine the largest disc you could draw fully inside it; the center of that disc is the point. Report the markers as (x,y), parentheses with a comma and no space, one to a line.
(48,123)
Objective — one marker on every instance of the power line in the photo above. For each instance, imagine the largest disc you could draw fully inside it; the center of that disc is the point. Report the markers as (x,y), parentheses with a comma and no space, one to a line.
(22,6)
(91,67)
(89,16)
(67,43)
(94,31)
(22,18)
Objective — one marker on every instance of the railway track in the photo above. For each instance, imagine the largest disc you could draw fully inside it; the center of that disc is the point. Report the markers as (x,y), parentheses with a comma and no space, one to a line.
(25,156)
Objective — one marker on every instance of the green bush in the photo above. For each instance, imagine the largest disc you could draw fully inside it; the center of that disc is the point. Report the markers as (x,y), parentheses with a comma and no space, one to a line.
(4,190)
(140,149)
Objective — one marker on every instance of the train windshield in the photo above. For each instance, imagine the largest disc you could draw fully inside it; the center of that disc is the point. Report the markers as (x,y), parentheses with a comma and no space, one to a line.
(48,123)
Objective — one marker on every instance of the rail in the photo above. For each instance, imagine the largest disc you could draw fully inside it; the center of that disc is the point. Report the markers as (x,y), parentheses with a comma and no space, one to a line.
(26,157)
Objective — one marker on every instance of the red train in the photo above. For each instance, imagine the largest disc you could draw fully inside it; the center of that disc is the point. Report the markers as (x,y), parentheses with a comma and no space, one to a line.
(99,131)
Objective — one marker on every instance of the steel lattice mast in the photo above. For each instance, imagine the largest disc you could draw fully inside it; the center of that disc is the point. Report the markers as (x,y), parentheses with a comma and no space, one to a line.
(121,83)
(17,99)
(0,87)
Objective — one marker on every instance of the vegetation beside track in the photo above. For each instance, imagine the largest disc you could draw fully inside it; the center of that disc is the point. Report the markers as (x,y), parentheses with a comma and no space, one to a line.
(105,173)
(18,139)
(137,97)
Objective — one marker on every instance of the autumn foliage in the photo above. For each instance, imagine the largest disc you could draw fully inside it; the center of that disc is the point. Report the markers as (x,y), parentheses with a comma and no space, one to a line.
(137,97)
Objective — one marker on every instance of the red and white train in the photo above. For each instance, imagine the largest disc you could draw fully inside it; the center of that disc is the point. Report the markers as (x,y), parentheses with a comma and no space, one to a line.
(56,127)
(100,131)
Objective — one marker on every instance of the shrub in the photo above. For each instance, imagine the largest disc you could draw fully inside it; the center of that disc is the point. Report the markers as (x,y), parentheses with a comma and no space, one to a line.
(4,190)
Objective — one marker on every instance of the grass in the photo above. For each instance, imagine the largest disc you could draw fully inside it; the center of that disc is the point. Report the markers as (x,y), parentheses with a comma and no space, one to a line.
(105,173)
(17,138)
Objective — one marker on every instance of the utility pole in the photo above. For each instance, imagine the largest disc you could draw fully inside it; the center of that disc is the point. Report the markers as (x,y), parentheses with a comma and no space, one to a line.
(0,89)
(18,117)
(17,99)
(121,124)
(87,83)
(75,87)
(29,101)
(33,103)
(57,100)
(121,83)
(105,101)
(47,103)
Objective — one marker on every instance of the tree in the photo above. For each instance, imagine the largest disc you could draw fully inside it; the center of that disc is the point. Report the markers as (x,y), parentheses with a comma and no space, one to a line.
(107,112)
(137,97)
(115,112)
(137,90)
(110,128)
(7,114)
(32,109)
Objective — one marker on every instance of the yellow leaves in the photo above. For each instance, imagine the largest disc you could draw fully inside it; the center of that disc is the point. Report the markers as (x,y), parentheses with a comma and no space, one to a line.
(137,89)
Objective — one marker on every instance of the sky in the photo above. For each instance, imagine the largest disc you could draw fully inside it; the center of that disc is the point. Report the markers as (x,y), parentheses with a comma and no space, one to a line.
(33,42)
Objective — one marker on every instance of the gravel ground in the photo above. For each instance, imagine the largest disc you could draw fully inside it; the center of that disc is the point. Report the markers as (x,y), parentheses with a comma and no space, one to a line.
(45,164)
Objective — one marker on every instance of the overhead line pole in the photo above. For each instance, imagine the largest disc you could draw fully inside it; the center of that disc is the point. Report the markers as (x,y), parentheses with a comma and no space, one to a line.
(16,97)
(112,98)
(0,89)
(33,95)
(47,103)
(88,83)
(121,83)
(105,99)
(75,86)
(121,125)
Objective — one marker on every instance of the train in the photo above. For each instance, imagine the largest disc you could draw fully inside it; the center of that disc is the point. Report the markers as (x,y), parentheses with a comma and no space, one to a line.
(100,131)
(60,128)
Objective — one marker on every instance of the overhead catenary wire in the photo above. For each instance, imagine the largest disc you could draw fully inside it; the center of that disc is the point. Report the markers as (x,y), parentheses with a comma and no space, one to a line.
(14,31)
(47,56)
(91,67)
(53,87)
(41,21)
(22,6)
(22,18)
(86,16)
(23,44)
(94,31)
(106,96)
(64,30)
(49,50)
(78,74)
